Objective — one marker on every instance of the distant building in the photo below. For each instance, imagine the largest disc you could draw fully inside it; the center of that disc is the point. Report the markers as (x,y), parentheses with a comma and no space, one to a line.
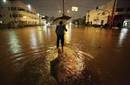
(103,15)
(123,13)
(14,13)
(100,15)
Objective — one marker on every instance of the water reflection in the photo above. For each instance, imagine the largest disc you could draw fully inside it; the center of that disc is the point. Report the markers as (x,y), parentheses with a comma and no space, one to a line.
(70,68)
(34,64)
(122,37)
(33,40)
(47,32)
(40,35)
(14,42)
(68,33)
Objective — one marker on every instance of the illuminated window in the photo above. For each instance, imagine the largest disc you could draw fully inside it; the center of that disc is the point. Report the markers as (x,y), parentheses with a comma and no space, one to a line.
(29,7)
(74,8)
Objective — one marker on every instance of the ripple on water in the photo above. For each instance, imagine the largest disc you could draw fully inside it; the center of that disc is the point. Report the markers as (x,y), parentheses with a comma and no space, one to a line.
(72,67)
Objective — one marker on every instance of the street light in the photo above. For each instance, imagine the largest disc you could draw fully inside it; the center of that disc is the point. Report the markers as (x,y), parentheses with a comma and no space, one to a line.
(1,22)
(38,14)
(60,11)
(68,11)
(4,1)
(29,7)
(43,16)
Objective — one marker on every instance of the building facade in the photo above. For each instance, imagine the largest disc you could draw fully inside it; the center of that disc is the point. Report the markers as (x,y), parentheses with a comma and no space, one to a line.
(14,13)
(110,13)
(123,10)
(100,15)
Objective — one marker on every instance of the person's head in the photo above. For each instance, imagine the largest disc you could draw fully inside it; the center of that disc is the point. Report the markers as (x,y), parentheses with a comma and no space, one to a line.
(60,22)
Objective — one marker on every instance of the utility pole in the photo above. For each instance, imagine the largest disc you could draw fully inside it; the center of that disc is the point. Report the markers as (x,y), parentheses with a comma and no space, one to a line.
(63,7)
(113,13)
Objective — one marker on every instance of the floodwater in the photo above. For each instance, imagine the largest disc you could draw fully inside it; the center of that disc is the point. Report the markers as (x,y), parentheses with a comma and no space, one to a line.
(92,56)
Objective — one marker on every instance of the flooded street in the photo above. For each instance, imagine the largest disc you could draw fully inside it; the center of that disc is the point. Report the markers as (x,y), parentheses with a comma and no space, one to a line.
(93,56)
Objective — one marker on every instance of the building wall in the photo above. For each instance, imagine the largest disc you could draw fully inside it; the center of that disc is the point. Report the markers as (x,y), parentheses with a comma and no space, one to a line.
(14,13)
(99,16)
(123,9)
(104,13)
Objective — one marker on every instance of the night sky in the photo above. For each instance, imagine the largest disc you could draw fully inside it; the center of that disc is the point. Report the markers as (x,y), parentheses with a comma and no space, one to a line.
(51,7)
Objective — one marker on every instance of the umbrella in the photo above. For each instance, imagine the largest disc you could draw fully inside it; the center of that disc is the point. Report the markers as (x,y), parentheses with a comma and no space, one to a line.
(63,18)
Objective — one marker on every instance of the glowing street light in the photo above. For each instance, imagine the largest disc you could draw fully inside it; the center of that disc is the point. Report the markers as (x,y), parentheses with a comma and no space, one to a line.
(29,7)
(60,11)
(4,1)
(38,14)
(43,16)
(1,22)
(68,11)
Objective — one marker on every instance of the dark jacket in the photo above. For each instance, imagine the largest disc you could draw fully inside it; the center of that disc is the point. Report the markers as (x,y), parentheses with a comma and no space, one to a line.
(60,29)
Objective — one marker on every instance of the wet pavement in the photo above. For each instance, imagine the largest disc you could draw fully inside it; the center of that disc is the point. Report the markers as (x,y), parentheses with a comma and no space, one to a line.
(92,56)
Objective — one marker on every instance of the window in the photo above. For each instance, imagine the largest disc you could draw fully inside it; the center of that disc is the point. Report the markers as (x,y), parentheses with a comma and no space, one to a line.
(12,8)
(21,9)
(103,13)
(16,15)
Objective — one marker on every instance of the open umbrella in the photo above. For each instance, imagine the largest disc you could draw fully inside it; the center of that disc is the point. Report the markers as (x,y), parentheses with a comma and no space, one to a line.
(63,18)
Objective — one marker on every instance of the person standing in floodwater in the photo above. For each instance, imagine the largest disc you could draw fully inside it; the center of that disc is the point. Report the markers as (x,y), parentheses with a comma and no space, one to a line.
(60,34)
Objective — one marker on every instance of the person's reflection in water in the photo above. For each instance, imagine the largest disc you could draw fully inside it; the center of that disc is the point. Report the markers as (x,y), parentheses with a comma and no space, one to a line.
(60,34)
